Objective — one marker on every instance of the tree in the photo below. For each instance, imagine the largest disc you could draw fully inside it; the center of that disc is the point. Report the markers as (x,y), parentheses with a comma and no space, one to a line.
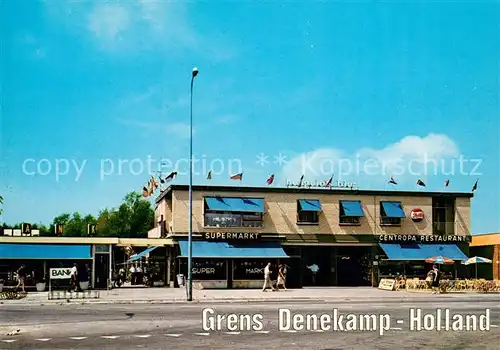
(73,225)
(133,218)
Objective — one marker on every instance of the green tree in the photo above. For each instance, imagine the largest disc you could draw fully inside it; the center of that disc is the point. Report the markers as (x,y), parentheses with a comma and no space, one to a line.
(74,225)
(133,218)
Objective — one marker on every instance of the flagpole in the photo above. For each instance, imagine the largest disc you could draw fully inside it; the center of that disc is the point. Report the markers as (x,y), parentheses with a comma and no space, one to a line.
(190,237)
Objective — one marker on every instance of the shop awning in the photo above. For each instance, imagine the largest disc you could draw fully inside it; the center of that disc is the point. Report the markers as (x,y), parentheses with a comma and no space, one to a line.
(254,205)
(422,251)
(141,254)
(393,209)
(310,205)
(45,251)
(226,250)
(352,208)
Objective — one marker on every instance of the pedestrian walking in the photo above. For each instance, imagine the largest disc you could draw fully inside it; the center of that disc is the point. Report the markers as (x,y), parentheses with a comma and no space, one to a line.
(133,275)
(21,277)
(281,277)
(267,278)
(75,283)
(435,281)
(314,270)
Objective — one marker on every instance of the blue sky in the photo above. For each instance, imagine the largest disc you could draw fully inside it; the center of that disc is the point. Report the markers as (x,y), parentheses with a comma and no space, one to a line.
(93,83)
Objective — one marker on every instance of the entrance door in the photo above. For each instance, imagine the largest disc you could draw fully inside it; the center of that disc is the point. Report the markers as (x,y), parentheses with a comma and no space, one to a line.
(349,273)
(101,271)
(321,257)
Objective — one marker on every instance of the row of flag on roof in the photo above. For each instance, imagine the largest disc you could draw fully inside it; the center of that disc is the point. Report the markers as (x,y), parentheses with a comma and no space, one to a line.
(422,184)
(154,182)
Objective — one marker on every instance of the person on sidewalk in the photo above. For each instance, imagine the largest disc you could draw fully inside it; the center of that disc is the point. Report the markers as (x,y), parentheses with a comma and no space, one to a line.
(435,280)
(314,270)
(281,277)
(133,275)
(21,277)
(140,275)
(75,283)
(267,278)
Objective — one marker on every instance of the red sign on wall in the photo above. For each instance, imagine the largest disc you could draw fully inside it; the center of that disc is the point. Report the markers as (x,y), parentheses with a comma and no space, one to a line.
(417,214)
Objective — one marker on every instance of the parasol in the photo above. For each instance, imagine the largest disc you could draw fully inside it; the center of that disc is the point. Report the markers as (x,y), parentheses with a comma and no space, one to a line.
(439,260)
(477,260)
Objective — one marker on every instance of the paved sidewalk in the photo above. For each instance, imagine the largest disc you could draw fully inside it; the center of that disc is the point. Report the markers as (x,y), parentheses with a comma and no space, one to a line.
(326,294)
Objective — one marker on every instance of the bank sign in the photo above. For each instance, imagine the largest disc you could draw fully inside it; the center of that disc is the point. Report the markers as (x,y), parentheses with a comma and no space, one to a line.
(424,239)
(60,273)
(231,236)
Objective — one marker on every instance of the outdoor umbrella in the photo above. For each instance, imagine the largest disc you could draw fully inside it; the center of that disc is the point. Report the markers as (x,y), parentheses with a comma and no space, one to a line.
(477,260)
(439,260)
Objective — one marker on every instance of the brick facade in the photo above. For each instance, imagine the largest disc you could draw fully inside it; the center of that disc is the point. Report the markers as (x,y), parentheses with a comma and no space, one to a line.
(281,212)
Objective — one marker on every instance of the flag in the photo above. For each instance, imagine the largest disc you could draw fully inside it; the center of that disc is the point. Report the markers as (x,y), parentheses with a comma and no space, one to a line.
(300,181)
(237,176)
(420,183)
(329,183)
(171,176)
(154,183)
(475,186)
(129,250)
(392,181)
(145,192)
(447,182)
(270,179)
(209,176)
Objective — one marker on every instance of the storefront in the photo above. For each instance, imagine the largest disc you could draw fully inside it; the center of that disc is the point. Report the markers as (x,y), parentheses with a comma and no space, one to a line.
(230,260)
(405,255)
(39,258)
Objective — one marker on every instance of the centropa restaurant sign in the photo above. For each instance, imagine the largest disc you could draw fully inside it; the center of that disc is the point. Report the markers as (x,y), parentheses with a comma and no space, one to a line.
(231,236)
(423,239)
(60,273)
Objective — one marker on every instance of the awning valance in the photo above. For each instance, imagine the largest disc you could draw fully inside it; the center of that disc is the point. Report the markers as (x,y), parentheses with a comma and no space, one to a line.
(45,251)
(204,249)
(352,208)
(393,209)
(254,205)
(141,254)
(409,252)
(310,205)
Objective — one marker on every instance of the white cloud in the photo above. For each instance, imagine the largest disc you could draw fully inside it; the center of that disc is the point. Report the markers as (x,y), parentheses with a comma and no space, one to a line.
(107,21)
(140,25)
(411,157)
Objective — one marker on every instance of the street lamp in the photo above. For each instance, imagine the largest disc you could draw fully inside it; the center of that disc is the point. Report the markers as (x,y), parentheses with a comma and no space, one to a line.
(190,214)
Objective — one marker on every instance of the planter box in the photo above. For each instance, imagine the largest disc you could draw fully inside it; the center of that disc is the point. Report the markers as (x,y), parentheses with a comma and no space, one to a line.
(158,284)
(1,287)
(40,287)
(84,285)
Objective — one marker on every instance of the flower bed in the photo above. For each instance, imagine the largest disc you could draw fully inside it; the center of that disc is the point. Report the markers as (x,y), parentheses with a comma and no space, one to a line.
(446,286)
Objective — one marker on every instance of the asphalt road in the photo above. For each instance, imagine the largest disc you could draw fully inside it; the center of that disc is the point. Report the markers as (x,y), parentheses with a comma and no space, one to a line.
(180,327)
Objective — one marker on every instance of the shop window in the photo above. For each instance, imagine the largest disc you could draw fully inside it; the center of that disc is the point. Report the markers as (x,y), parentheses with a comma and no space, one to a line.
(248,269)
(205,269)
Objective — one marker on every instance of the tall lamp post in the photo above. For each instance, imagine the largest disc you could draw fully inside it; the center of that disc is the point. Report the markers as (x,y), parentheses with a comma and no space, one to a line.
(190,214)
